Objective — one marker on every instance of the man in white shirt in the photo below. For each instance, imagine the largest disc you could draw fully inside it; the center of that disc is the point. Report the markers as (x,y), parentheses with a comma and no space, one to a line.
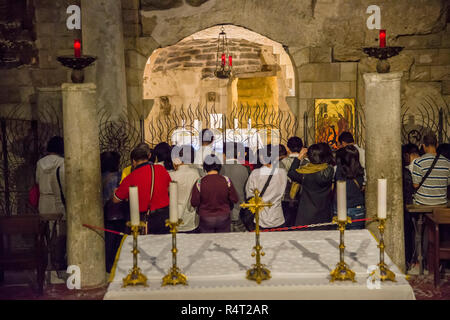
(186,177)
(269,217)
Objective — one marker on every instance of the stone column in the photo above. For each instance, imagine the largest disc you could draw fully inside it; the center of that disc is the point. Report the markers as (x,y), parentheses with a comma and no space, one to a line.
(102,31)
(383,157)
(85,247)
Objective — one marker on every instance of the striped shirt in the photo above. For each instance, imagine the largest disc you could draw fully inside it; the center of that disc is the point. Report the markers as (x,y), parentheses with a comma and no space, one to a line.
(434,189)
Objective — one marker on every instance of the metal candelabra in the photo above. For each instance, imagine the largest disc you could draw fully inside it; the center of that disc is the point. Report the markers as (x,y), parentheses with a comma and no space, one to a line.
(174,276)
(258,272)
(385,273)
(135,276)
(342,271)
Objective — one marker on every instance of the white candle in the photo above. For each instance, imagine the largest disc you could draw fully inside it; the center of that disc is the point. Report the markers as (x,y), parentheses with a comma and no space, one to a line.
(236,123)
(173,201)
(134,206)
(342,200)
(382,191)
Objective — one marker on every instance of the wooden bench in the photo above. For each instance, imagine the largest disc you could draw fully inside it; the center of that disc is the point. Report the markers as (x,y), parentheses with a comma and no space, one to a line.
(419,212)
(29,258)
(439,243)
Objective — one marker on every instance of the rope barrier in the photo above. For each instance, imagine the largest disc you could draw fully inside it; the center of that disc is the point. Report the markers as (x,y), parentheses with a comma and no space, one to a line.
(103,229)
(265,230)
(309,226)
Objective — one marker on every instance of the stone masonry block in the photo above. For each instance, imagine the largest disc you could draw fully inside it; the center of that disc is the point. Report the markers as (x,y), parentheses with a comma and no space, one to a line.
(348,71)
(444,56)
(420,73)
(439,73)
(426,57)
(130,4)
(131,30)
(419,41)
(305,89)
(319,72)
(331,90)
(133,59)
(446,87)
(320,55)
(130,16)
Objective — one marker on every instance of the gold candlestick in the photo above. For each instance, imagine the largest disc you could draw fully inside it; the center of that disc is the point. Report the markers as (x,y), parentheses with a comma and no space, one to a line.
(385,273)
(342,271)
(258,272)
(174,276)
(135,276)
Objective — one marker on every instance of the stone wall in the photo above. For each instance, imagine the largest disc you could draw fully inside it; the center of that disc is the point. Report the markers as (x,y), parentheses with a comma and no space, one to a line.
(19,86)
(202,54)
(324,39)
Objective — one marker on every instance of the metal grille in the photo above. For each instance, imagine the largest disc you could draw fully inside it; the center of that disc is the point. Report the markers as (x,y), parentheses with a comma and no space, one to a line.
(429,114)
(161,128)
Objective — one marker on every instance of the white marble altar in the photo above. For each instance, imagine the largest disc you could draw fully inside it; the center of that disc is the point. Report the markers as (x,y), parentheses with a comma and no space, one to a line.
(216,264)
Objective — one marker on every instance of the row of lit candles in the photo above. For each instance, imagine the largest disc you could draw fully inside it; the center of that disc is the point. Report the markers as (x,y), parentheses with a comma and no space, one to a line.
(342,199)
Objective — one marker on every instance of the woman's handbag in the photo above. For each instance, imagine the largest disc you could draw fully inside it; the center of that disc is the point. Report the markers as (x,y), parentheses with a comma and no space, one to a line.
(33,196)
(246,215)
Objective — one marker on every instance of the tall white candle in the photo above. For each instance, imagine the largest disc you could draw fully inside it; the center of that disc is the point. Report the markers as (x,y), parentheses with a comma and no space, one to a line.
(134,206)
(382,192)
(342,200)
(173,202)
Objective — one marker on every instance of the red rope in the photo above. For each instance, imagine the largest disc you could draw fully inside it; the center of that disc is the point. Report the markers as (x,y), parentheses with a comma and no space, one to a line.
(309,226)
(103,229)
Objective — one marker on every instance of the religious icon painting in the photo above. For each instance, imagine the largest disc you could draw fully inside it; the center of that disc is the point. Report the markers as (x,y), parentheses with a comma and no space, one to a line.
(332,117)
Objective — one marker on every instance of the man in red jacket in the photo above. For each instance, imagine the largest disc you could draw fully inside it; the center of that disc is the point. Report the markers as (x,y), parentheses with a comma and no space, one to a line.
(156,207)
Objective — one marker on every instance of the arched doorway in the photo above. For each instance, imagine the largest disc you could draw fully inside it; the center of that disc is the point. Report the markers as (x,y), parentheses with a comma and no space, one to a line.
(187,96)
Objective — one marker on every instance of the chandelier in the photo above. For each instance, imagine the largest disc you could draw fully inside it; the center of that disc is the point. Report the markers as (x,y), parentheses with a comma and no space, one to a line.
(224,61)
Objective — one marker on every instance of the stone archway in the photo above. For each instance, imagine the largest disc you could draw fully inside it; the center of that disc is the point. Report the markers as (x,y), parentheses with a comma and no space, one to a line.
(183,75)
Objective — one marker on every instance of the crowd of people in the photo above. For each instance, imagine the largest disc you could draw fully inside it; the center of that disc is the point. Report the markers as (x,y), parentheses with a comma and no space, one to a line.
(299,181)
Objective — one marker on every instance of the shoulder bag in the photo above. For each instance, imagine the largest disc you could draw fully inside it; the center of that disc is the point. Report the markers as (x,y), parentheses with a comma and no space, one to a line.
(246,215)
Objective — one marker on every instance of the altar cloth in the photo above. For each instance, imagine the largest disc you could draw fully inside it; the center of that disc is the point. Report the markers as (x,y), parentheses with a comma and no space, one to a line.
(300,263)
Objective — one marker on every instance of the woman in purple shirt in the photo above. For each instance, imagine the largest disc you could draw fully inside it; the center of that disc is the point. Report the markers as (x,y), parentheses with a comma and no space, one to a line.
(214,197)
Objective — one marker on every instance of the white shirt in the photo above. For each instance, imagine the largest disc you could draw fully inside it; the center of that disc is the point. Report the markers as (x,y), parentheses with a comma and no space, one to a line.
(287,162)
(186,177)
(50,194)
(273,216)
(362,156)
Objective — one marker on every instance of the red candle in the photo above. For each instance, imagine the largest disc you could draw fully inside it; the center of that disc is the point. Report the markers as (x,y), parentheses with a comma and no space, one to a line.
(77,48)
(223,59)
(382,38)
(230,61)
